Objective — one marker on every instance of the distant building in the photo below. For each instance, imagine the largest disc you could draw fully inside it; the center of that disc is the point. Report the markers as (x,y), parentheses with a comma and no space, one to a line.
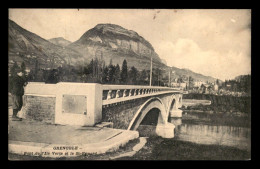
(205,88)
(216,87)
(181,85)
(198,83)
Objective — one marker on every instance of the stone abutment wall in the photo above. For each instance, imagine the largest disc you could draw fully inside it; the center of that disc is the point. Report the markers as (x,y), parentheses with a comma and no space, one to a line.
(121,114)
(39,108)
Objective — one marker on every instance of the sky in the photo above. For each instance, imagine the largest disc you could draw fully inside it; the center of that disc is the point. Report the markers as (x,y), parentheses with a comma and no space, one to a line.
(212,42)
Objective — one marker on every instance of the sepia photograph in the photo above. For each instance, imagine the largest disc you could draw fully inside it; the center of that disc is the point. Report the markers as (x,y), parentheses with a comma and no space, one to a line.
(129,84)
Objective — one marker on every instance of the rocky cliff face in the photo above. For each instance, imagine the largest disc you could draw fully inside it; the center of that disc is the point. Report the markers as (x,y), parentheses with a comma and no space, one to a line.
(116,43)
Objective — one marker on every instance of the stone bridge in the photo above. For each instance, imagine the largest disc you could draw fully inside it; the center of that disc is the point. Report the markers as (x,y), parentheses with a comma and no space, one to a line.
(88,104)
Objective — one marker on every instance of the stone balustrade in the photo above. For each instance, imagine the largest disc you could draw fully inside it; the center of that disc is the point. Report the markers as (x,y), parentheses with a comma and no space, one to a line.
(117,93)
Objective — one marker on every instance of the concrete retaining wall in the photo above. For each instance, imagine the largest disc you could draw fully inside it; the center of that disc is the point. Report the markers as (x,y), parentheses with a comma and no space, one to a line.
(44,102)
(39,108)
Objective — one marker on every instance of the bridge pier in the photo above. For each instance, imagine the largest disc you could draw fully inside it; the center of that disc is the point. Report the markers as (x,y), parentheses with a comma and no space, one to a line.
(176,121)
(165,130)
(176,113)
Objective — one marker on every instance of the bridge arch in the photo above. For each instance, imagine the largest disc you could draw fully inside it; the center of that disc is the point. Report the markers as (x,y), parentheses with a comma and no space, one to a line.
(172,104)
(152,103)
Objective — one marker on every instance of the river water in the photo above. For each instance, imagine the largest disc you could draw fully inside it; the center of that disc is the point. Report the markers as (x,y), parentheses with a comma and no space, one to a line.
(205,132)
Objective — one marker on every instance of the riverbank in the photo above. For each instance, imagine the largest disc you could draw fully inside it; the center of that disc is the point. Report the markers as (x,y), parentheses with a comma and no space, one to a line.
(225,104)
(158,148)
(223,110)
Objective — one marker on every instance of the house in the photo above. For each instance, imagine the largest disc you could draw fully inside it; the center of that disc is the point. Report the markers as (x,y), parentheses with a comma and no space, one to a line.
(198,83)
(181,85)
(174,84)
(205,88)
(228,85)
(215,87)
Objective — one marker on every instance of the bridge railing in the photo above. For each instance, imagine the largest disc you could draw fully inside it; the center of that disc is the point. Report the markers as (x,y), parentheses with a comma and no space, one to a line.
(118,93)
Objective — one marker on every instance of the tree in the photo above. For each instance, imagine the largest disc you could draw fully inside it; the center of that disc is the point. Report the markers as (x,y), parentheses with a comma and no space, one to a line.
(105,74)
(117,74)
(124,74)
(180,80)
(217,82)
(143,78)
(52,76)
(111,73)
(90,67)
(95,67)
(86,70)
(23,68)
(40,76)
(157,77)
(62,73)
(31,75)
(133,74)
(36,68)
(97,70)
(191,80)
(81,73)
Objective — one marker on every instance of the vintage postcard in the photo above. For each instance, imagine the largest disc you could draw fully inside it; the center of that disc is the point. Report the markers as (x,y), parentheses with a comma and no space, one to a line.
(129,84)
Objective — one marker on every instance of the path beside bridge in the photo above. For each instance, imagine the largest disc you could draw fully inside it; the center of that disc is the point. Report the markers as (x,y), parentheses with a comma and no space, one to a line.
(51,140)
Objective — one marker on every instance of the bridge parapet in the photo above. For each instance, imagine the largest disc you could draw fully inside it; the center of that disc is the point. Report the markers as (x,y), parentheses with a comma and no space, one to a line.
(119,93)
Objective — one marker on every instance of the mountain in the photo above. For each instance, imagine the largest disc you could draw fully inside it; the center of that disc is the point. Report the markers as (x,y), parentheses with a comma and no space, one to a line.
(26,46)
(114,42)
(106,41)
(164,61)
(110,41)
(60,41)
(238,78)
(196,76)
